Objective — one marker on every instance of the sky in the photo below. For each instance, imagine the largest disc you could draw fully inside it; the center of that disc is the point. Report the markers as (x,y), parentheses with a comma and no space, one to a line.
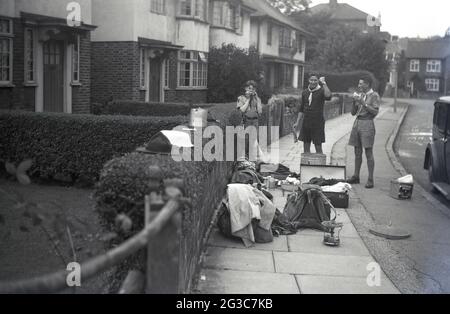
(406,18)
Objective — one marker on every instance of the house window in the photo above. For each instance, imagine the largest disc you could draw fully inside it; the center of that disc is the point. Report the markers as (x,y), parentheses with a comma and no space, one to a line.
(432,85)
(194,8)
(414,66)
(158,6)
(6,51)
(241,22)
(299,42)
(285,38)
(269,34)
(29,56)
(218,13)
(76,61)
(434,66)
(143,80)
(192,69)
(166,73)
(288,75)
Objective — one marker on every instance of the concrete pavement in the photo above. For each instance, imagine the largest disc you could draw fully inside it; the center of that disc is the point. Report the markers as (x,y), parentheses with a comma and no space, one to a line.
(420,264)
(293,264)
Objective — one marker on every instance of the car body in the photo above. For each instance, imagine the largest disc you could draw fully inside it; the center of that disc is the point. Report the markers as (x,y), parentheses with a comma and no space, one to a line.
(437,155)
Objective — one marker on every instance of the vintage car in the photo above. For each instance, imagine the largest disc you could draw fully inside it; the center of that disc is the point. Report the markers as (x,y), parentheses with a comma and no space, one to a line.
(437,155)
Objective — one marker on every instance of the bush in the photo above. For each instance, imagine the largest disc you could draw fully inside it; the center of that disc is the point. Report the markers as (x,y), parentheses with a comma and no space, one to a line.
(346,81)
(135,108)
(74,147)
(229,68)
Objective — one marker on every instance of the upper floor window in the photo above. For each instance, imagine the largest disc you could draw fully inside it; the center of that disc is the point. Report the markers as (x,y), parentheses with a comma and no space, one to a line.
(269,34)
(299,42)
(192,69)
(227,15)
(30,64)
(432,85)
(194,8)
(434,66)
(6,51)
(414,65)
(285,38)
(158,6)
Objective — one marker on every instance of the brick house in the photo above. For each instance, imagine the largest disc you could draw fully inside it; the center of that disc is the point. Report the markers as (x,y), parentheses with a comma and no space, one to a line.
(281,42)
(150,50)
(349,15)
(45,61)
(157,50)
(428,67)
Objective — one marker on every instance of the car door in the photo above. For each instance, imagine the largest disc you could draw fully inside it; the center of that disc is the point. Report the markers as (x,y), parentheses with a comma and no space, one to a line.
(440,140)
(447,144)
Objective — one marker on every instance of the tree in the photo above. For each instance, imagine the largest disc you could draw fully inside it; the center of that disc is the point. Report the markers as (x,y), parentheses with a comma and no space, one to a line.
(369,53)
(290,6)
(229,68)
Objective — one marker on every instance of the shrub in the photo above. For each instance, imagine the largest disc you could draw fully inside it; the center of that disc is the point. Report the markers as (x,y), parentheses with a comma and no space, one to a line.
(229,68)
(74,147)
(135,108)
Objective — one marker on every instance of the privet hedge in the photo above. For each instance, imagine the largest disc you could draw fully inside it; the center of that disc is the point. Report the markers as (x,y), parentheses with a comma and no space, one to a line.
(73,148)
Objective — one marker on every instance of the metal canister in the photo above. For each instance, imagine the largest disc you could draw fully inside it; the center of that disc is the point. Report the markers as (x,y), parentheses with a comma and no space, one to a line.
(199,118)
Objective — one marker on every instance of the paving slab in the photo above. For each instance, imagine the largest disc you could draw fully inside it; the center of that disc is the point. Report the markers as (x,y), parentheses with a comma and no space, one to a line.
(239,259)
(313,244)
(321,264)
(218,240)
(343,285)
(244,282)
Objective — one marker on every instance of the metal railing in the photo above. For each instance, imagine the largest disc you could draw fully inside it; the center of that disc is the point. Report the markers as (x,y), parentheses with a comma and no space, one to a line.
(155,223)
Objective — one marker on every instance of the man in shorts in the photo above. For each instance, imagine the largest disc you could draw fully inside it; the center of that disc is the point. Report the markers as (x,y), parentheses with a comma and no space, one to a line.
(366,106)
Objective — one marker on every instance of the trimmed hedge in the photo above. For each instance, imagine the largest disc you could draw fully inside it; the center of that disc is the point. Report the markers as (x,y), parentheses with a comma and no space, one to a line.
(145,109)
(74,148)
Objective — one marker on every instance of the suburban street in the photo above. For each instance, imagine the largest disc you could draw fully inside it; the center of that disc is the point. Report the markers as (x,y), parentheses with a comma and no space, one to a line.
(413,139)
(420,263)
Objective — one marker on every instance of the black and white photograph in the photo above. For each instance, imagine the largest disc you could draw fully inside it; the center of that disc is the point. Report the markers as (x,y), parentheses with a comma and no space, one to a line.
(244,149)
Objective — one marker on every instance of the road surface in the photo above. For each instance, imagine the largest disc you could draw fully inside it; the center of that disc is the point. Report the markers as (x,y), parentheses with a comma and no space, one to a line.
(413,139)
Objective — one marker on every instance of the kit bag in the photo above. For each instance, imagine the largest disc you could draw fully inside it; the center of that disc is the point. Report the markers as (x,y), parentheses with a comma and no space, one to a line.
(224,225)
(308,209)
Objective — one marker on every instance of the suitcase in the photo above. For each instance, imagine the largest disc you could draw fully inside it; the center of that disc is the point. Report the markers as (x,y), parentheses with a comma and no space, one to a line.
(314,159)
(307,172)
(338,200)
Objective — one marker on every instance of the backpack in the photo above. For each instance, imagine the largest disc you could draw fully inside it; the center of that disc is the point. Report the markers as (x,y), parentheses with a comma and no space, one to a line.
(308,209)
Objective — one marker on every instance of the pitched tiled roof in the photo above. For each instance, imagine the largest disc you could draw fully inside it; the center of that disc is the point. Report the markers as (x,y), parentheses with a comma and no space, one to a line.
(264,9)
(341,11)
(428,49)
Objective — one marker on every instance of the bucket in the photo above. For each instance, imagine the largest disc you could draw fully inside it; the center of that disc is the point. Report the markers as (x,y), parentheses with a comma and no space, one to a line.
(199,118)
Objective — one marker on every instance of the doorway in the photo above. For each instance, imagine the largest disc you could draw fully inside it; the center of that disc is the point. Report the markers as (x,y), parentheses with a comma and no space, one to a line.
(54,76)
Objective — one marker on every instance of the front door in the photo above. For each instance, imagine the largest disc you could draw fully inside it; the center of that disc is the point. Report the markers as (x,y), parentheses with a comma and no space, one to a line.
(155,80)
(53,76)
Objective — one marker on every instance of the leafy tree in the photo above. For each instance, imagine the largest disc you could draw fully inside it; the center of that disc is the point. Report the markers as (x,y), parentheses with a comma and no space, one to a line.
(290,6)
(229,68)
(368,54)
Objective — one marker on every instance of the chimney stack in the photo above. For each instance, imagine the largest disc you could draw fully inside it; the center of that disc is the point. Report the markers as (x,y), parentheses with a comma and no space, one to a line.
(333,3)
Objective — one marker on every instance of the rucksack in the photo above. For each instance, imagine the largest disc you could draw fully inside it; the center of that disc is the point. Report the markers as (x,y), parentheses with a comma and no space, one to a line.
(308,209)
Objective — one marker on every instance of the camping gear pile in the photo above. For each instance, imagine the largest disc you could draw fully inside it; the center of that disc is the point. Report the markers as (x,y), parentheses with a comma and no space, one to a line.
(248,212)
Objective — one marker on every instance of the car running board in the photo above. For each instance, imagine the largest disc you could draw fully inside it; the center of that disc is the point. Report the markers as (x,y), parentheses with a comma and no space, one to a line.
(444,188)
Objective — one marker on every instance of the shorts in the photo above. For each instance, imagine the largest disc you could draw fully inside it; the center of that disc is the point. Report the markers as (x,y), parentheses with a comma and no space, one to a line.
(363,134)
